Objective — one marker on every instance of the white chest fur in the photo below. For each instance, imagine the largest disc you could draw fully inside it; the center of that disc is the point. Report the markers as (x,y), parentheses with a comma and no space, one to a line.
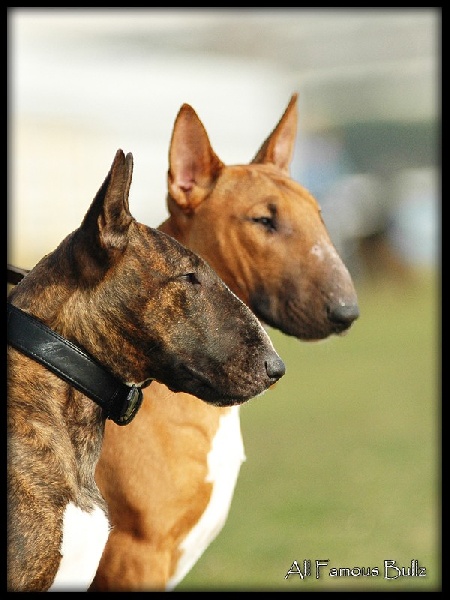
(224,461)
(84,538)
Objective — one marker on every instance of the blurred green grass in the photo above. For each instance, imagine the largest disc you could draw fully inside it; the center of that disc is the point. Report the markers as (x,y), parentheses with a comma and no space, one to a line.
(343,456)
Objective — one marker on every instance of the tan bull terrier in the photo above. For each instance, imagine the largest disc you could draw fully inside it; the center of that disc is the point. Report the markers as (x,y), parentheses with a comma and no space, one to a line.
(263,233)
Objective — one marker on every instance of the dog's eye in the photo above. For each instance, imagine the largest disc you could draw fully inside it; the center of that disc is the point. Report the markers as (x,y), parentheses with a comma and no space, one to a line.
(267,222)
(190,278)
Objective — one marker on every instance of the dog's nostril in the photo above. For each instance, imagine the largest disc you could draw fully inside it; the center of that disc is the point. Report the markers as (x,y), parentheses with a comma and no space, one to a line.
(275,367)
(344,314)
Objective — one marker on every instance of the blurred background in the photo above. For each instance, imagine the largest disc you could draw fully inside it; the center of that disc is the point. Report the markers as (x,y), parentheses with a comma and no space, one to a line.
(343,455)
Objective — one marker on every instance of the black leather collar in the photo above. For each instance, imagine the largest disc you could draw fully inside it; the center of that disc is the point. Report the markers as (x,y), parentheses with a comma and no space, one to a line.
(120,402)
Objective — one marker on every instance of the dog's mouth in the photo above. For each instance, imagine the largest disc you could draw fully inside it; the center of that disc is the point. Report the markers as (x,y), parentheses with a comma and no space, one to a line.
(191,381)
(306,326)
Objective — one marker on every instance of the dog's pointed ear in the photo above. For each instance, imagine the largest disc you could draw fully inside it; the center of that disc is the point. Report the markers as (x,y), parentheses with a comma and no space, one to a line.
(115,218)
(109,218)
(193,164)
(278,148)
(103,234)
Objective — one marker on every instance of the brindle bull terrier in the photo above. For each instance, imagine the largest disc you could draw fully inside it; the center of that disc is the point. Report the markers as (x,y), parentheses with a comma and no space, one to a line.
(264,235)
(116,305)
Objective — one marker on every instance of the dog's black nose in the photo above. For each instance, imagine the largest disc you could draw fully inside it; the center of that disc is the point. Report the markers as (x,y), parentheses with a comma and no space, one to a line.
(275,367)
(343,314)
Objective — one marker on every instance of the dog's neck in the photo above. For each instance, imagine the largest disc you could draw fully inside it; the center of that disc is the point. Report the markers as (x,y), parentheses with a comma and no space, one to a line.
(78,421)
(79,410)
(69,362)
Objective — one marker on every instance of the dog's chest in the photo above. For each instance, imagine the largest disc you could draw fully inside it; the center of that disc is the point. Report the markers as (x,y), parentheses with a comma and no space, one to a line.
(84,538)
(224,461)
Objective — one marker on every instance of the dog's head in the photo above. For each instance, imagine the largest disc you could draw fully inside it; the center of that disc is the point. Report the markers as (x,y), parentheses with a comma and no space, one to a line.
(259,229)
(147,307)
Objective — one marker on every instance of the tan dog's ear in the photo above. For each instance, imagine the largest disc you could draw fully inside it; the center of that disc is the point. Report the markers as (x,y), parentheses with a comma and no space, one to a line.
(279,146)
(193,164)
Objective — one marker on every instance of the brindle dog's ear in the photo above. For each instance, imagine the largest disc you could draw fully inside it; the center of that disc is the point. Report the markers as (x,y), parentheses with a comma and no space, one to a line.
(111,202)
(278,148)
(103,234)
